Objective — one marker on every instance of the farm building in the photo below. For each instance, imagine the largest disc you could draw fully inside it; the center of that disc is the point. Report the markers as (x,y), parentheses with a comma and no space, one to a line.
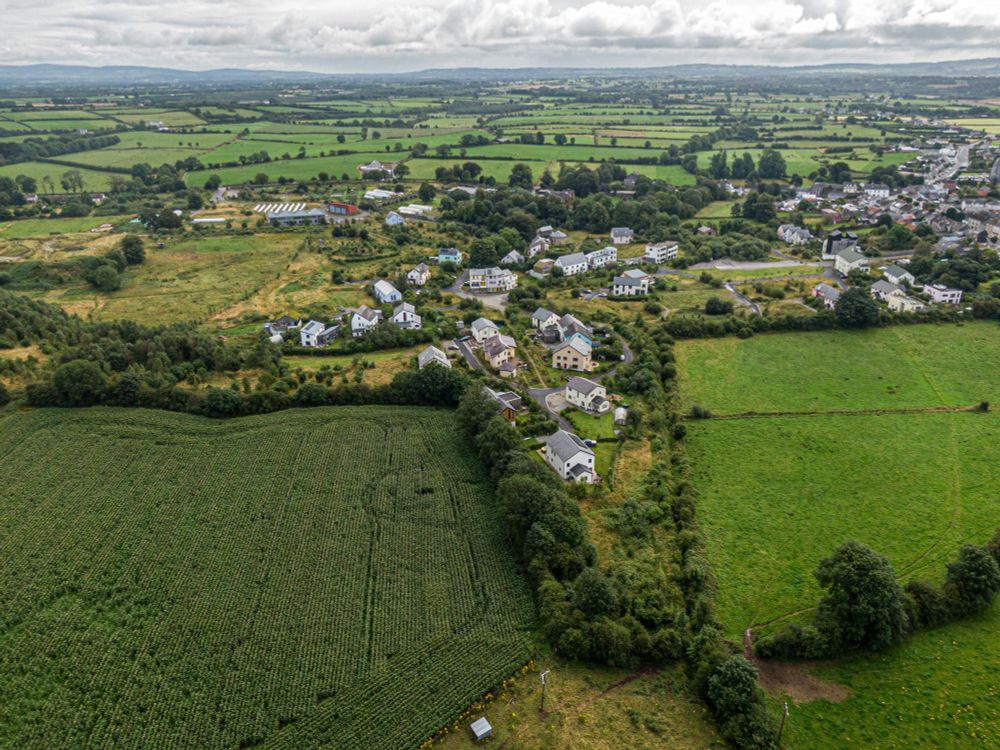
(377,167)
(296,218)
(342,209)
(621,416)
(432,355)
(392,219)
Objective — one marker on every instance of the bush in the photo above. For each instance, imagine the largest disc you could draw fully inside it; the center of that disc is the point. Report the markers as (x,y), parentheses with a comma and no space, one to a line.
(4,395)
(972,580)
(794,642)
(718,306)
(926,605)
(78,383)
(106,279)
(699,412)
(738,705)
(131,246)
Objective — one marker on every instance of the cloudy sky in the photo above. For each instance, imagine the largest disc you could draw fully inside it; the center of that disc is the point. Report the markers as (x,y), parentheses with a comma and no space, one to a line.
(400,35)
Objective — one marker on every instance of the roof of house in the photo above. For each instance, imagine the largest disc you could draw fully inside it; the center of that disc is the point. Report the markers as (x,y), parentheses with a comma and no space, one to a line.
(636,273)
(850,255)
(626,281)
(564,445)
(885,287)
(828,291)
(573,259)
(313,326)
(404,307)
(432,354)
(383,287)
(482,324)
(541,314)
(895,270)
(621,231)
(497,344)
(582,385)
(578,343)
(420,268)
(367,313)
(449,251)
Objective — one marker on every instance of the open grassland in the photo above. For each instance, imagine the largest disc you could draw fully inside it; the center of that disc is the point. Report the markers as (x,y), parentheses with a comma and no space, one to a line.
(92,179)
(26,228)
(898,367)
(331,578)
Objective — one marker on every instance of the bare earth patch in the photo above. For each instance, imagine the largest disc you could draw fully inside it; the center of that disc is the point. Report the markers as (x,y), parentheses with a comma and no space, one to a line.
(793,678)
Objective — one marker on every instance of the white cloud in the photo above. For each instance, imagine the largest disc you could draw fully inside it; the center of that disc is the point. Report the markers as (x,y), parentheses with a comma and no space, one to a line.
(344,36)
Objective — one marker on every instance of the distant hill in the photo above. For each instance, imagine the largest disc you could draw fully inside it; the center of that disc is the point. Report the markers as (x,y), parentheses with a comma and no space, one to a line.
(134,74)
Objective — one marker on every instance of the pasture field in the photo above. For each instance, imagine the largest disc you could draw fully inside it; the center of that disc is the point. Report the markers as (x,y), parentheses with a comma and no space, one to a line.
(174,582)
(92,179)
(897,367)
(25,228)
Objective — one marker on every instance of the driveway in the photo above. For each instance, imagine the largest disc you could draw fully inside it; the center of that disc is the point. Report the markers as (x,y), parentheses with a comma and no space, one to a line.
(541,397)
(470,357)
(492,301)
(754,307)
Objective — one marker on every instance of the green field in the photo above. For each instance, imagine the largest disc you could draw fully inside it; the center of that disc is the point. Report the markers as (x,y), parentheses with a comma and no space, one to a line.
(897,367)
(330,578)
(44,227)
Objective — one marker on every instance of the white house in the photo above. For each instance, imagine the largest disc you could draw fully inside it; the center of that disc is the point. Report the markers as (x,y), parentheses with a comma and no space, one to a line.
(587,395)
(538,245)
(392,219)
(385,292)
(376,166)
(513,258)
(364,319)
(632,283)
(848,260)
(309,333)
(483,328)
(542,318)
(405,316)
(882,290)
(570,457)
(602,257)
(621,235)
(419,275)
(571,264)
(432,355)
(897,275)
(660,252)
(940,294)
(877,190)
(902,303)
(794,235)
(491,279)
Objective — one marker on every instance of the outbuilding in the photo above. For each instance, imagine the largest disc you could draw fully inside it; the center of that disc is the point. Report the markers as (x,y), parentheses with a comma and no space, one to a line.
(481,729)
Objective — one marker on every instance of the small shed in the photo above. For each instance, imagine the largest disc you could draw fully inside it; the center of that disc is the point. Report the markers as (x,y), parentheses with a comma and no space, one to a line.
(481,729)
(621,415)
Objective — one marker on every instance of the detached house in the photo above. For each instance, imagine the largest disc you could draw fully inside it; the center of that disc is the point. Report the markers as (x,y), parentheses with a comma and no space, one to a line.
(573,354)
(570,457)
(632,283)
(405,316)
(837,241)
(621,235)
(432,356)
(660,252)
(508,403)
(499,350)
(542,319)
(571,264)
(315,333)
(902,303)
(539,245)
(794,235)
(482,329)
(828,294)
(364,320)
(882,290)
(419,275)
(940,294)
(848,260)
(385,292)
(450,255)
(513,258)
(587,395)
(602,257)
(897,275)
(491,280)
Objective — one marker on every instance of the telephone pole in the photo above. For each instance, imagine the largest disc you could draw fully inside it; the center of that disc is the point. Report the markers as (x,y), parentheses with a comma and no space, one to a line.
(781,729)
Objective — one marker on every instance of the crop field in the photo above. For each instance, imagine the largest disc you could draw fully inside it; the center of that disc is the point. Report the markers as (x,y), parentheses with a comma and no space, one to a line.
(175,582)
(778,492)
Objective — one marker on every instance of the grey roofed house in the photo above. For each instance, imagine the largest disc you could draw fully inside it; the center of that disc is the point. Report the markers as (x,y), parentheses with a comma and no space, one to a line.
(512,258)
(621,232)
(482,324)
(541,315)
(495,345)
(882,289)
(573,259)
(403,307)
(505,399)
(432,355)
(828,292)
(369,313)
(582,385)
(282,324)
(565,445)
(850,255)
(625,280)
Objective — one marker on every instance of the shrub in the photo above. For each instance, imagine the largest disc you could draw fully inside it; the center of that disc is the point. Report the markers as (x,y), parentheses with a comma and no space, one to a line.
(972,580)
(794,642)
(718,306)
(78,383)
(926,605)
(699,412)
(4,395)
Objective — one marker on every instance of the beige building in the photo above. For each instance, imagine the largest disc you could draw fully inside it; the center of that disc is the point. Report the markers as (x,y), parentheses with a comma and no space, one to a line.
(573,354)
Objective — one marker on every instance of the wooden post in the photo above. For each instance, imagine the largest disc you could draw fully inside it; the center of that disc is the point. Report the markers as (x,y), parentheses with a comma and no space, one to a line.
(543,676)
(781,729)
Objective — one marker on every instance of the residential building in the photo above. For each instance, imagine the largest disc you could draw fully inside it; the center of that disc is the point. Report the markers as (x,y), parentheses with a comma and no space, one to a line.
(542,318)
(603,257)
(570,457)
(364,319)
(385,292)
(405,316)
(282,324)
(571,264)
(882,290)
(508,403)
(573,354)
(632,283)
(848,260)
(660,252)
(482,329)
(827,293)
(904,304)
(630,179)
(296,218)
(558,237)
(942,295)
(450,255)
(621,235)
(543,266)
(877,190)
(571,326)
(392,219)
(837,241)
(341,209)
(499,349)
(493,280)
(538,245)
(315,333)
(897,275)
(376,167)
(432,355)
(513,258)
(418,275)
(793,235)
(587,395)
